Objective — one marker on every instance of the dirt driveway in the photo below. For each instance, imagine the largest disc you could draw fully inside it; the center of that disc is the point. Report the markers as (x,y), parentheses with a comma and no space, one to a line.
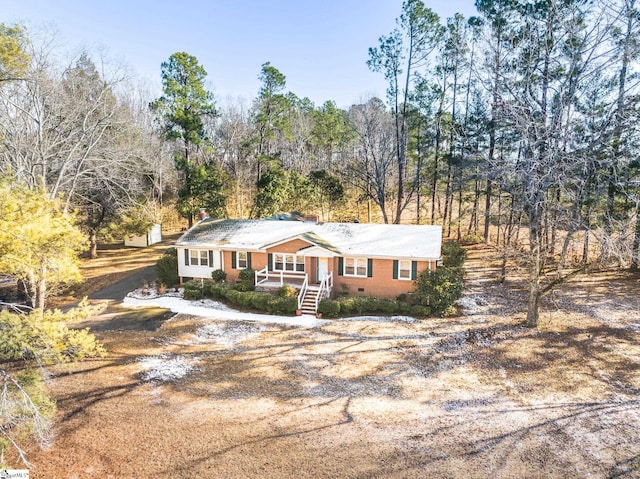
(472,396)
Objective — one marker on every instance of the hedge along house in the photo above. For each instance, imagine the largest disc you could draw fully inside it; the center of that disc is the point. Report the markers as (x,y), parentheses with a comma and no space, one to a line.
(319,259)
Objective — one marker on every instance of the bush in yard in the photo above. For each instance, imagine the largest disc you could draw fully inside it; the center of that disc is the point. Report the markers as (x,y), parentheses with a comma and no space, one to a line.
(218,276)
(248,275)
(167,267)
(404,308)
(439,289)
(472,239)
(386,306)
(244,286)
(282,305)
(287,291)
(453,254)
(329,308)
(419,310)
(233,296)
(193,289)
(214,290)
(244,299)
(259,300)
(351,305)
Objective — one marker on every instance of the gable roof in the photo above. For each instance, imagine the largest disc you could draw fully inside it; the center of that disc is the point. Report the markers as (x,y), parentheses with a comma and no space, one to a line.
(346,239)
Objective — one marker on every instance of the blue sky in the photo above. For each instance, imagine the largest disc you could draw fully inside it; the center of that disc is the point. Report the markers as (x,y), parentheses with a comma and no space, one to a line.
(321,46)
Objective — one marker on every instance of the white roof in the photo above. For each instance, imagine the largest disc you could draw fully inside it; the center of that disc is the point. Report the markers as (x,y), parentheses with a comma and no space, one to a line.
(346,239)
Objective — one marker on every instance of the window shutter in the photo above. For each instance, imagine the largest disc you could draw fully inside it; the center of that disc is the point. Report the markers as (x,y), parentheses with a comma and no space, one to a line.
(270,261)
(414,269)
(395,269)
(249,260)
(340,266)
(210,258)
(186,257)
(369,268)
(234,262)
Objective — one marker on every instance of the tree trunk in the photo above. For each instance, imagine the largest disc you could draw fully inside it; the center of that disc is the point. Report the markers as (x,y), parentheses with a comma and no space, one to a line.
(446,220)
(487,208)
(93,245)
(42,292)
(434,181)
(459,232)
(635,251)
(533,303)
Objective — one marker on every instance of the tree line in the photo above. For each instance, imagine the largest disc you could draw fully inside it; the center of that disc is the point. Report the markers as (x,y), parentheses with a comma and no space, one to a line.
(517,126)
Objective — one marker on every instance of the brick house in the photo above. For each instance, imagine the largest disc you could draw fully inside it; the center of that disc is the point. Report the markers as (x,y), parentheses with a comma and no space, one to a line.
(320,259)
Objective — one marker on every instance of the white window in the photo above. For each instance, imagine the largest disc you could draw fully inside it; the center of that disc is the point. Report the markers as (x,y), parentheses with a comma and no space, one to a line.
(355,267)
(404,269)
(288,262)
(242,260)
(199,257)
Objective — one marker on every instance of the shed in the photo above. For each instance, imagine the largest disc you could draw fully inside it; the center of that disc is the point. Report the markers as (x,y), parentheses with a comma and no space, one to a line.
(152,236)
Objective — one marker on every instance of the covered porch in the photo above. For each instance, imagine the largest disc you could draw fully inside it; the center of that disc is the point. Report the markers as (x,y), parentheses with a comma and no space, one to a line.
(308,295)
(275,279)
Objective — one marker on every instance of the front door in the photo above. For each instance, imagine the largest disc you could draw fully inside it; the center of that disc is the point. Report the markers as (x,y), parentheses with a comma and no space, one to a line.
(323,269)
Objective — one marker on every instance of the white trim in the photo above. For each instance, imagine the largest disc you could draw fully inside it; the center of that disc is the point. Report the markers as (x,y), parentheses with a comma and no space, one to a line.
(400,261)
(295,261)
(246,259)
(199,256)
(356,261)
(317,251)
(287,240)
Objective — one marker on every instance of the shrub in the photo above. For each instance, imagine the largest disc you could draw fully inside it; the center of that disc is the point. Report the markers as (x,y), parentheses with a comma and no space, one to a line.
(287,291)
(453,254)
(244,299)
(472,239)
(193,290)
(404,308)
(214,290)
(248,275)
(166,267)
(419,310)
(218,276)
(277,305)
(244,286)
(439,289)
(386,306)
(259,300)
(233,296)
(329,308)
(352,305)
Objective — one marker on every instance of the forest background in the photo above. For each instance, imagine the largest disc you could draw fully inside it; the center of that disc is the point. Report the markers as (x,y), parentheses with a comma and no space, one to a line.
(517,126)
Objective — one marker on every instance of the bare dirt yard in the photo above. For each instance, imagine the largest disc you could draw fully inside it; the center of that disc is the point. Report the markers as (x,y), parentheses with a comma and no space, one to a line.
(471,396)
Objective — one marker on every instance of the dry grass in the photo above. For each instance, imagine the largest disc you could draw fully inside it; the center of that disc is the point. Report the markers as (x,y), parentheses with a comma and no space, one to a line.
(472,396)
(114,262)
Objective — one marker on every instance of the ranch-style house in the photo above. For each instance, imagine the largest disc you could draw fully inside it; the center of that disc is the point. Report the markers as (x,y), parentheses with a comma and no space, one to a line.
(319,259)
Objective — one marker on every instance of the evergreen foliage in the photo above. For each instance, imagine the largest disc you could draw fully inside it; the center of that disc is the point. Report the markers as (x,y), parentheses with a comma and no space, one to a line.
(39,243)
(166,267)
(439,289)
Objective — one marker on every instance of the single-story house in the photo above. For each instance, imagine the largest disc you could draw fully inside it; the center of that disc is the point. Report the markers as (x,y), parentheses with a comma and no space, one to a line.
(320,259)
